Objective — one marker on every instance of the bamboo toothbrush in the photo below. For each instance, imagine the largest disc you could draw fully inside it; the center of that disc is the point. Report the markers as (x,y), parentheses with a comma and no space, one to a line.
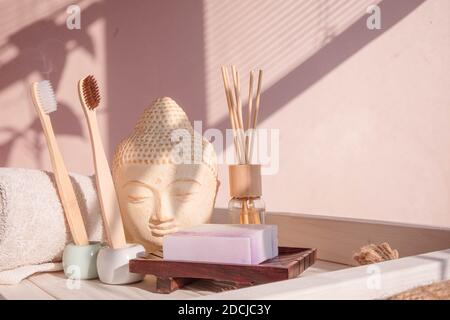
(90,99)
(45,103)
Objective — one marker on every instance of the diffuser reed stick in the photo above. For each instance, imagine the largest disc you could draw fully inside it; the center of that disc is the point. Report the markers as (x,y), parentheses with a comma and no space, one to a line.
(256,112)
(249,115)
(243,135)
(232,113)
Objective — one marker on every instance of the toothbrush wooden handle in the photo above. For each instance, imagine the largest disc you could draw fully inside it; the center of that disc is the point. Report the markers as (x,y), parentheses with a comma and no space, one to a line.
(64,185)
(112,218)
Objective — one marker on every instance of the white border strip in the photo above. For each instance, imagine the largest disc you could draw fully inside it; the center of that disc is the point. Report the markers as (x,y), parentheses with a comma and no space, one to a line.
(375,281)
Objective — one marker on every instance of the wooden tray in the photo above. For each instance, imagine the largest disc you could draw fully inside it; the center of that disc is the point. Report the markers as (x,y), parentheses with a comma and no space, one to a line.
(172,275)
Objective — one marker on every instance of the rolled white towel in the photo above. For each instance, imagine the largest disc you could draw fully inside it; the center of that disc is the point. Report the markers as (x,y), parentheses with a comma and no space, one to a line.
(33,229)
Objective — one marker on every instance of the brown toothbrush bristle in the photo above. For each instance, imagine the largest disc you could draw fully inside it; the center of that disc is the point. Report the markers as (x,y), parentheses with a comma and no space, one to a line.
(91,93)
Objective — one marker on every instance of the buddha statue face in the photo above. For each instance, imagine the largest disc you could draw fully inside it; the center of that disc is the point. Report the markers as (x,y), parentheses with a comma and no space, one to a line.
(157,195)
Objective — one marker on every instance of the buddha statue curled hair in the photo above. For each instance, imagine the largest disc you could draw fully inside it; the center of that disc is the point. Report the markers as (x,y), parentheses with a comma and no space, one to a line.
(165,175)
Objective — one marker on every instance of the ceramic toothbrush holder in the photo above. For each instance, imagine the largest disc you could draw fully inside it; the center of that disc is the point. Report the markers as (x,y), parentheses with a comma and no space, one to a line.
(112,264)
(80,262)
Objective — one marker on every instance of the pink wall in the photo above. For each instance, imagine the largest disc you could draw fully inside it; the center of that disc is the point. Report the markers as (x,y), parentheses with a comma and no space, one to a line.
(363,115)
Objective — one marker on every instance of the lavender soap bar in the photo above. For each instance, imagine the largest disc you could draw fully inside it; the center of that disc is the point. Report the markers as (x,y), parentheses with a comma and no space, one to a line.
(223,243)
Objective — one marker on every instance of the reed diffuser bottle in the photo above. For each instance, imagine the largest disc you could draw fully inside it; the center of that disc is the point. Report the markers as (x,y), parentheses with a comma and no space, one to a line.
(246,205)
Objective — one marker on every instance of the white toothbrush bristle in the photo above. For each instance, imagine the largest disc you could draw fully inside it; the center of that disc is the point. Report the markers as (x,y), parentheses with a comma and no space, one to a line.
(46,96)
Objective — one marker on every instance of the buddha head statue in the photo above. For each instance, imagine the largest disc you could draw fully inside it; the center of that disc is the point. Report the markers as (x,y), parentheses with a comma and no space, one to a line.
(165,175)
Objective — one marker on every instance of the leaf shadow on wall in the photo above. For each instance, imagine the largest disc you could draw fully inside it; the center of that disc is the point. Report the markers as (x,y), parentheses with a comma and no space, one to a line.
(43,48)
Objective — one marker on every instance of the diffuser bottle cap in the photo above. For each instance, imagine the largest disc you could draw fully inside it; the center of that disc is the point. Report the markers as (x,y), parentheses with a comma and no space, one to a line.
(245,180)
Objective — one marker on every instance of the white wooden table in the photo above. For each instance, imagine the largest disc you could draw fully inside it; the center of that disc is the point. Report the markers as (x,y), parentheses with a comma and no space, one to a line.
(425,249)
(56,286)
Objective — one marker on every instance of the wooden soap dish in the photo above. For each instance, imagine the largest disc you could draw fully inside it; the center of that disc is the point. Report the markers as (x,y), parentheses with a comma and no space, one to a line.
(173,275)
